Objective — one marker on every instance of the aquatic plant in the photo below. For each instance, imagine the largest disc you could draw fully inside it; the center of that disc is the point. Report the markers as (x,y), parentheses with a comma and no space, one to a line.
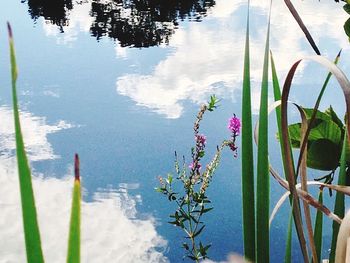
(311,135)
(191,201)
(29,214)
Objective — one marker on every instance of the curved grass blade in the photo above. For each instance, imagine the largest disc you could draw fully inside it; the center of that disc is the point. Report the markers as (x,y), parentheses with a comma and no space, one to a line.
(301,24)
(73,255)
(277,96)
(248,192)
(314,112)
(303,178)
(339,206)
(263,178)
(345,85)
(30,221)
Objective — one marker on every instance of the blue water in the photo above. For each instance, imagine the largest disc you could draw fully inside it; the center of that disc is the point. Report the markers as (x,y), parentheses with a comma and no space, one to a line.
(125,105)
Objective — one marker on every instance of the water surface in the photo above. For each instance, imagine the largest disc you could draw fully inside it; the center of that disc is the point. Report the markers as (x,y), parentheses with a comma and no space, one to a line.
(120,82)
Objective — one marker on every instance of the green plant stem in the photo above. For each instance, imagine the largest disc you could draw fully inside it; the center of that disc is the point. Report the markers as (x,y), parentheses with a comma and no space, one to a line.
(248,188)
(29,214)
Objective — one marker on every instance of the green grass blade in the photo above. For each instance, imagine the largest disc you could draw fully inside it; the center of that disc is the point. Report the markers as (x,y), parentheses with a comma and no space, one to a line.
(319,228)
(73,255)
(263,179)
(30,221)
(339,207)
(248,193)
(288,254)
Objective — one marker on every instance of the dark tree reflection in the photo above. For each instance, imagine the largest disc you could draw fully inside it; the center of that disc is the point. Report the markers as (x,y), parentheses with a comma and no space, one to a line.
(143,23)
(55,11)
(137,23)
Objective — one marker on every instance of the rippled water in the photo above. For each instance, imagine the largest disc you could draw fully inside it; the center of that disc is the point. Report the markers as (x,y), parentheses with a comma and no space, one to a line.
(120,84)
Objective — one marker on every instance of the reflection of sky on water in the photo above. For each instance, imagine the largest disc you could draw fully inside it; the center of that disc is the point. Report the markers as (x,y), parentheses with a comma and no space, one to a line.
(111,214)
(206,57)
(95,87)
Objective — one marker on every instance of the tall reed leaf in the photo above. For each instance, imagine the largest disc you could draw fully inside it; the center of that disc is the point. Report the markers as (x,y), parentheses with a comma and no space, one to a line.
(30,221)
(339,206)
(301,24)
(263,179)
(248,193)
(73,255)
(319,228)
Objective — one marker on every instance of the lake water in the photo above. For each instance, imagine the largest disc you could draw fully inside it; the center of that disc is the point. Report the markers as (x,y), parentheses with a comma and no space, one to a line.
(120,83)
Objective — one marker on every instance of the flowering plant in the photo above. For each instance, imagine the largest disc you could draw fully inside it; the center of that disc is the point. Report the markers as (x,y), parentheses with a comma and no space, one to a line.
(193,202)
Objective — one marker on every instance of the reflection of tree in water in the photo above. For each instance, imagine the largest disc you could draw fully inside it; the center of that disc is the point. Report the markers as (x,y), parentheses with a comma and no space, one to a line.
(138,23)
(54,11)
(143,23)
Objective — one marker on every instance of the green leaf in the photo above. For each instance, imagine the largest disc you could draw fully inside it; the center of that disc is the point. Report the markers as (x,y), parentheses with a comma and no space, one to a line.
(339,206)
(328,130)
(334,117)
(248,189)
(205,210)
(347,27)
(263,178)
(318,229)
(198,231)
(319,114)
(323,155)
(73,255)
(288,253)
(347,8)
(29,215)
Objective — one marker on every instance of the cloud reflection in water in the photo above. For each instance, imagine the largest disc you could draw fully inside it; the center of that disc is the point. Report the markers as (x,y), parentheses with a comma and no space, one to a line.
(208,56)
(111,231)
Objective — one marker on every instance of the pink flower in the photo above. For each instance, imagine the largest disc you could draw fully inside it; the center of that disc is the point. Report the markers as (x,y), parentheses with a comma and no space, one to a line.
(201,139)
(198,166)
(234,125)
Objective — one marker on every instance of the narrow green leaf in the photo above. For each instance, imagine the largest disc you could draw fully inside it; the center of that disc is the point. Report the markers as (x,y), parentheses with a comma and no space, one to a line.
(30,221)
(319,228)
(288,253)
(263,178)
(339,206)
(198,232)
(248,192)
(73,255)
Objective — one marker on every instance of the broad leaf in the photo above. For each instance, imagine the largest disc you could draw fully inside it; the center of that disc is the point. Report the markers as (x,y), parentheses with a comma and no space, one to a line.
(323,155)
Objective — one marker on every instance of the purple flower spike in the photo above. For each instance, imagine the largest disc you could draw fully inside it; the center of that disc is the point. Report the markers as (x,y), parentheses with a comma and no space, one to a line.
(198,167)
(234,125)
(201,139)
